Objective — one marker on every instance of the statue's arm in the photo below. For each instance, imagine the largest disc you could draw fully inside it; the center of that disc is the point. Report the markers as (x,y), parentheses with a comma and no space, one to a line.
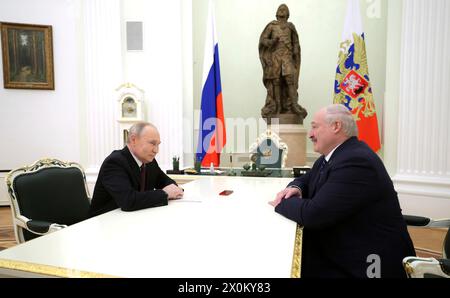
(266,37)
(296,46)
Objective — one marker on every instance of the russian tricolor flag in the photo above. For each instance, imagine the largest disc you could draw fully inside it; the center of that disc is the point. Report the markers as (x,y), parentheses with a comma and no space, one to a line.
(212,134)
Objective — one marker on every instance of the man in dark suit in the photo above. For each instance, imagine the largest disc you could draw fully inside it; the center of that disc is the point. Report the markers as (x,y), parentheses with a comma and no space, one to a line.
(347,204)
(131,178)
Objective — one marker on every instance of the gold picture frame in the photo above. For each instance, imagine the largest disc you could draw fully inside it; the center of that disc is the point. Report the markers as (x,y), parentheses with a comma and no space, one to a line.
(27,52)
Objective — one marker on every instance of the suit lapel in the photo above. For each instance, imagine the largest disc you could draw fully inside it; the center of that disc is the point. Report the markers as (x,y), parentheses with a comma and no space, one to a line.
(319,180)
(323,177)
(135,171)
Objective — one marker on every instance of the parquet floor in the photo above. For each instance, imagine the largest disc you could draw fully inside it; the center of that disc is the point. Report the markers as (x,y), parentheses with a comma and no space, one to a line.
(6,229)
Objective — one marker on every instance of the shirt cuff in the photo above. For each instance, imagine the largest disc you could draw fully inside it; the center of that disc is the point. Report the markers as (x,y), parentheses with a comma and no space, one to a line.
(295,186)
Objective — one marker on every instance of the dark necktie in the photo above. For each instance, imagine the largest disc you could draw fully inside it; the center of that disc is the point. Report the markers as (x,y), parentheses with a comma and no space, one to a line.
(142,177)
(318,180)
(321,169)
(322,166)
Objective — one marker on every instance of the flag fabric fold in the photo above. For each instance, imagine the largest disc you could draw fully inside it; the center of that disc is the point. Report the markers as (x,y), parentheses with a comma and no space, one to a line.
(212,134)
(352,83)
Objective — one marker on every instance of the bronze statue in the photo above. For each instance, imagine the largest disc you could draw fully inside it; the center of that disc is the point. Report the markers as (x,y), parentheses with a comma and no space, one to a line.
(279,52)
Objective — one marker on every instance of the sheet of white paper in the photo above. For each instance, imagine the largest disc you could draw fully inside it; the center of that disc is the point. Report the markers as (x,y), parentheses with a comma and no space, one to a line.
(209,171)
(188,198)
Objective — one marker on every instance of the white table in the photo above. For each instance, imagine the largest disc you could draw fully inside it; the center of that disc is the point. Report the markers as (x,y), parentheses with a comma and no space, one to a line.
(202,235)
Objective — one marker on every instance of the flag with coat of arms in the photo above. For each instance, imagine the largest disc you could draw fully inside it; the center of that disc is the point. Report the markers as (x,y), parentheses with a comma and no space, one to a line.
(352,84)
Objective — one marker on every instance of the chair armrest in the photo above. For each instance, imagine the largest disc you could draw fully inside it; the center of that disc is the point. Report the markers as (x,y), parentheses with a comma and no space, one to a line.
(440,223)
(55,227)
(426,267)
(420,221)
(40,227)
(21,221)
(417,221)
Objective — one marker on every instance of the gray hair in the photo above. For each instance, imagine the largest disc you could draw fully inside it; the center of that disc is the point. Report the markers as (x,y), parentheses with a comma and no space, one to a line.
(137,128)
(338,112)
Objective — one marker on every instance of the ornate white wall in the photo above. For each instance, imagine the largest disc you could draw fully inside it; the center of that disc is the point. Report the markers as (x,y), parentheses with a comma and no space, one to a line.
(162,74)
(102,75)
(423,164)
(43,123)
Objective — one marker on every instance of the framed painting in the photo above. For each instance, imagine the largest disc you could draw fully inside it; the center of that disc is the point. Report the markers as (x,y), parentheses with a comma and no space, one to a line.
(27,53)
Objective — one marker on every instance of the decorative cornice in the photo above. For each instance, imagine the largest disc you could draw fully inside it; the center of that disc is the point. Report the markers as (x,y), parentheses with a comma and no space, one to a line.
(129,85)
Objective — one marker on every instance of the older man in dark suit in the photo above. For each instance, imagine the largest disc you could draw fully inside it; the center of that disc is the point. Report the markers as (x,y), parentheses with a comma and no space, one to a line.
(353,226)
(131,178)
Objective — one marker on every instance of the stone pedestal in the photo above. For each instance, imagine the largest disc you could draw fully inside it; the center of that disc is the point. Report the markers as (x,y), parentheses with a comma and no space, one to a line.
(284,119)
(294,136)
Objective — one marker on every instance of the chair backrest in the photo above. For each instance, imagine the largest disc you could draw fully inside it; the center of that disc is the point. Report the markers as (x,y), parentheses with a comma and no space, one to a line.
(269,150)
(49,190)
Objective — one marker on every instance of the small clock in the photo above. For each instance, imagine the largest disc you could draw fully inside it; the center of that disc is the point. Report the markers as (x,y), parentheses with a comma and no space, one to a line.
(130,101)
(129,108)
